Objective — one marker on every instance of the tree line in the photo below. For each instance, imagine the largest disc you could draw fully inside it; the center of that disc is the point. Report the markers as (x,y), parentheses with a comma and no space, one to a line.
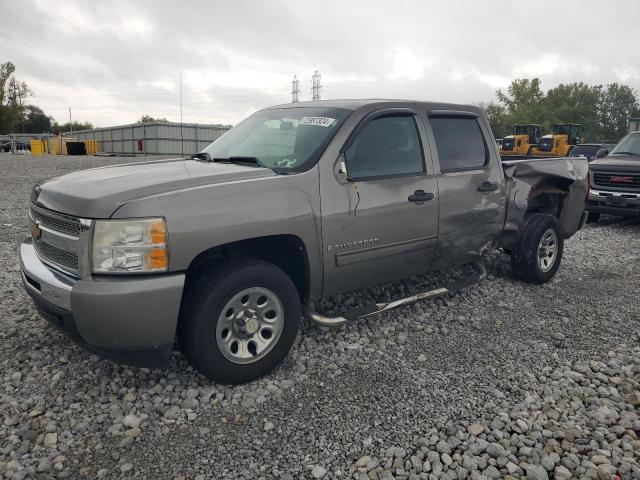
(19,116)
(602,111)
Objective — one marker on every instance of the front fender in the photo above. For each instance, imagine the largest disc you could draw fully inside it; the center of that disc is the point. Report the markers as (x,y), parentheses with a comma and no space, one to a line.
(204,217)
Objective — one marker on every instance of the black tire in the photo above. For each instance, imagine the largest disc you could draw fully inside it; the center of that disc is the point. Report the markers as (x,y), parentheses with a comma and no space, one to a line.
(525,259)
(209,292)
(593,217)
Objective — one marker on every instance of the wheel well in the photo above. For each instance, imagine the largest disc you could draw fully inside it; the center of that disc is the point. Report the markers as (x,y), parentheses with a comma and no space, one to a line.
(548,197)
(285,251)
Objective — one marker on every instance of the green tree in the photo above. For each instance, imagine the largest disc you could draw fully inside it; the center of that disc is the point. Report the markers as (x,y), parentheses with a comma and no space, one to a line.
(524,101)
(618,103)
(149,118)
(36,120)
(75,126)
(13,94)
(498,119)
(575,103)
(603,113)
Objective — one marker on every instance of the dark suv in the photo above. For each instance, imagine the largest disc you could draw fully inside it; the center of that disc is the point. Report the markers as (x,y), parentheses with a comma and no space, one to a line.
(590,150)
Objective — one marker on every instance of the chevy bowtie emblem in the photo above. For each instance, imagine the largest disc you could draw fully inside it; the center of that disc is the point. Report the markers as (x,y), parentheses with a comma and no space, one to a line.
(36,231)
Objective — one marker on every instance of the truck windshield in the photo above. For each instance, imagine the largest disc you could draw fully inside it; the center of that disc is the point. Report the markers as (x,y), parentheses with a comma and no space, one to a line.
(588,151)
(283,139)
(629,145)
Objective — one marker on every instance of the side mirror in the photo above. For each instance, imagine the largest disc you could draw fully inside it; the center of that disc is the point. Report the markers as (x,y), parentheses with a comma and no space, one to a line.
(603,152)
(341,169)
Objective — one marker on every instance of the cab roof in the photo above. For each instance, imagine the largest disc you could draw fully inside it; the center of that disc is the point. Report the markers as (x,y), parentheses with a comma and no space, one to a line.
(355,104)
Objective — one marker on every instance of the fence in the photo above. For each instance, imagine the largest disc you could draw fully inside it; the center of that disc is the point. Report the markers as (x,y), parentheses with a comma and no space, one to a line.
(154,138)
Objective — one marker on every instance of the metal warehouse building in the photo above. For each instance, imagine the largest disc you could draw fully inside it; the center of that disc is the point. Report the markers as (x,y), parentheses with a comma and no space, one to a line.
(154,138)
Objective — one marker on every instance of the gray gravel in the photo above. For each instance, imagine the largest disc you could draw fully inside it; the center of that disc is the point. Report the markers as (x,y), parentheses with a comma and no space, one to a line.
(503,380)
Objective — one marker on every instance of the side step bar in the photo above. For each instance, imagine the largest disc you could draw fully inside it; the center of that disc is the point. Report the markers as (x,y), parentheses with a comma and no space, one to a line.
(376,308)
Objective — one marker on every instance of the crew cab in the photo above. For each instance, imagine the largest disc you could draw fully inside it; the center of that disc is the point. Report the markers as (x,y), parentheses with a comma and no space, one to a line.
(615,181)
(227,250)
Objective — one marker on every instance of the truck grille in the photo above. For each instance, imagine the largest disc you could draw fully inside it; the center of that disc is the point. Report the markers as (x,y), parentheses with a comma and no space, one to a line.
(623,181)
(58,239)
(546,145)
(56,255)
(508,144)
(60,223)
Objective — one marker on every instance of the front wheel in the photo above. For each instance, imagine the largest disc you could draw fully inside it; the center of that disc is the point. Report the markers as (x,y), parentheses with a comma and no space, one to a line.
(240,320)
(537,256)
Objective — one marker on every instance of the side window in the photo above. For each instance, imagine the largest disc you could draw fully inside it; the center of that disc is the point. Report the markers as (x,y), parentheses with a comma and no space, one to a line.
(386,146)
(459,142)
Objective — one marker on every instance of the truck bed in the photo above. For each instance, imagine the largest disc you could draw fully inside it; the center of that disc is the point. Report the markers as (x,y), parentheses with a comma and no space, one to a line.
(528,178)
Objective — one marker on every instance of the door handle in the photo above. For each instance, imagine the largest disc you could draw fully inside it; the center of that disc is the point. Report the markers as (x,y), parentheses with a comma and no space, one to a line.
(420,196)
(488,187)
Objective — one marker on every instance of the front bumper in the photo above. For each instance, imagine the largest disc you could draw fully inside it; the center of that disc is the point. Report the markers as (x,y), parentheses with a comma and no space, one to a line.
(623,204)
(128,319)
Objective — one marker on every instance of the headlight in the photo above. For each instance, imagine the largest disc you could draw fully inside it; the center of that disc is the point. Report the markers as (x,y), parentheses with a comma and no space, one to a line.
(122,246)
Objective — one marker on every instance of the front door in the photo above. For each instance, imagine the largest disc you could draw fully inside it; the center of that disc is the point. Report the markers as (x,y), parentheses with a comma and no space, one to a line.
(379,222)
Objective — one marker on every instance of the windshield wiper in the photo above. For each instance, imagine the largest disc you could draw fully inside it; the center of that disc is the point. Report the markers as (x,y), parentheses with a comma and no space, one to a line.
(240,159)
(256,160)
(202,156)
(624,153)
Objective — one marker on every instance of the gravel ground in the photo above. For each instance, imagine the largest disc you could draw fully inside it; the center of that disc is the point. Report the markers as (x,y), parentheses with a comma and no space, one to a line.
(503,380)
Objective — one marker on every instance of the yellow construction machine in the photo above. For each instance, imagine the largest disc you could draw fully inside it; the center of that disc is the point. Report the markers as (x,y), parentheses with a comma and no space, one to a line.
(523,141)
(561,141)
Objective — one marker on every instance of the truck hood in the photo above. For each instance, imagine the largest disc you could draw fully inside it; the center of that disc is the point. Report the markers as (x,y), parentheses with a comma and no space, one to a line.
(620,162)
(99,192)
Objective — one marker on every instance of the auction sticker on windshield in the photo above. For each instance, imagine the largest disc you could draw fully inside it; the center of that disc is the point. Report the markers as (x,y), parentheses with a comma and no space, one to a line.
(317,121)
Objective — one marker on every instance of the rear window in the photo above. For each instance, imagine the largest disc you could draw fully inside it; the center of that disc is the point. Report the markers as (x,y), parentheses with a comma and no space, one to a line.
(459,142)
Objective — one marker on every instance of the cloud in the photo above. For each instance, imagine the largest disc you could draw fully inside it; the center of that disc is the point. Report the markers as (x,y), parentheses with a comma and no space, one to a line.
(113,61)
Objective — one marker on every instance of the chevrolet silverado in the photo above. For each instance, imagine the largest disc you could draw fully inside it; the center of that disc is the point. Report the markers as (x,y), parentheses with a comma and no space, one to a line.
(226,251)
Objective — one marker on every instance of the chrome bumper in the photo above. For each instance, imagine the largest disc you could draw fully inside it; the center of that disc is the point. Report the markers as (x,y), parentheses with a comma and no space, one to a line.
(595,194)
(131,320)
(52,285)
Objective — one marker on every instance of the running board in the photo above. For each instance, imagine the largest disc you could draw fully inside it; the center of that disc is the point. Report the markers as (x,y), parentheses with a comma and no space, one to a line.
(375,308)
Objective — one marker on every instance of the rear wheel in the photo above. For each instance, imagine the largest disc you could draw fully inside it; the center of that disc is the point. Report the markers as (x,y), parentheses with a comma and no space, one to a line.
(240,320)
(593,217)
(537,256)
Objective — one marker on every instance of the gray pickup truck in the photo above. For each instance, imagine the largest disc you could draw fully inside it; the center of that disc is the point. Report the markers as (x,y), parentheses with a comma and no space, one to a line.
(224,252)
(615,180)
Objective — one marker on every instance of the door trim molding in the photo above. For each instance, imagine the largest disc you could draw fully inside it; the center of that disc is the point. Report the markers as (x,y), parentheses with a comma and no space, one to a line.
(389,249)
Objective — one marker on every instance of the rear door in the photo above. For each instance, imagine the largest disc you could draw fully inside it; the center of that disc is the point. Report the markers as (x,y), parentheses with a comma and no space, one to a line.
(470,183)
(381,223)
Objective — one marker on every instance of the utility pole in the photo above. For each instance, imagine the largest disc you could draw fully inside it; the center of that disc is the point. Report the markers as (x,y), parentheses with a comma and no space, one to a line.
(316,88)
(181,131)
(21,112)
(295,90)
(70,122)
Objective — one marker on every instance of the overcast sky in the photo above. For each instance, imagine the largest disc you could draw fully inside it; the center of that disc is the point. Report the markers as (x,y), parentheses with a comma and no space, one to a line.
(113,61)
